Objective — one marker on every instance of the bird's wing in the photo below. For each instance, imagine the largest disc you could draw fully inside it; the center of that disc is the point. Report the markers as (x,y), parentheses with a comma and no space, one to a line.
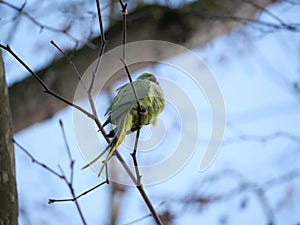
(158,101)
(120,113)
(125,100)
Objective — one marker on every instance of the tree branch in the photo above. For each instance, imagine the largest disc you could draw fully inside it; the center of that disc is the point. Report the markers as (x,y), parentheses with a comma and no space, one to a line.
(21,11)
(60,175)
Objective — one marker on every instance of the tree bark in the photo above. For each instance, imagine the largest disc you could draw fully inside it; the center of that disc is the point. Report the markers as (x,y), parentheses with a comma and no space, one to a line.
(193,25)
(8,190)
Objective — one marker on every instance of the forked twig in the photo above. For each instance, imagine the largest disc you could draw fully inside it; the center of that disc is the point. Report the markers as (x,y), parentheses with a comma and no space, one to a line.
(60,175)
(78,196)
(21,11)
(133,154)
(42,83)
(43,165)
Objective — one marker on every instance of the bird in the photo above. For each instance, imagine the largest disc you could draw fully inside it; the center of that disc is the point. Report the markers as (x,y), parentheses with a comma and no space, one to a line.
(127,115)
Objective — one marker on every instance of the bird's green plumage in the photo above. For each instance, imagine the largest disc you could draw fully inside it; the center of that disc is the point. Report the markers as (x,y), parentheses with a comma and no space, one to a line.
(124,113)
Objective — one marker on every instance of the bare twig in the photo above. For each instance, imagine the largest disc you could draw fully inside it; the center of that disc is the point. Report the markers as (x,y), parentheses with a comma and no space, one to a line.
(71,177)
(72,161)
(60,175)
(100,21)
(263,9)
(243,186)
(138,220)
(143,217)
(124,23)
(78,196)
(21,10)
(262,138)
(133,154)
(70,185)
(295,27)
(88,90)
(46,89)
(133,89)
(124,12)
(71,62)
(43,165)
(103,40)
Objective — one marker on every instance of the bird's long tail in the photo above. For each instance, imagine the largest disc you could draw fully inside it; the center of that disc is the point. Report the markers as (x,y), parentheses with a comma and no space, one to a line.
(97,157)
(115,142)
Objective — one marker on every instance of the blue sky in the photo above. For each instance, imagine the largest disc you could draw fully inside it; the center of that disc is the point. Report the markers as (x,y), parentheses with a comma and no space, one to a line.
(255,72)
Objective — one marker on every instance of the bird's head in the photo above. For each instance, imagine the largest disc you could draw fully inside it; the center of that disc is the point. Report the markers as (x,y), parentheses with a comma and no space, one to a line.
(148,76)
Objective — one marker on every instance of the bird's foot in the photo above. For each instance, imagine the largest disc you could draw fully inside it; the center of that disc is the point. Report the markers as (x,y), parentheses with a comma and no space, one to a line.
(143,112)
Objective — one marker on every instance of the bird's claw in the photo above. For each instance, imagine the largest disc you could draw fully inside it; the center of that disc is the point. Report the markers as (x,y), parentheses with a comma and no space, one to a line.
(143,112)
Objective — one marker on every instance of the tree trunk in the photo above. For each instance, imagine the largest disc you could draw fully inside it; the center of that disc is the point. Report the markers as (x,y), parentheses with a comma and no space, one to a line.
(8,190)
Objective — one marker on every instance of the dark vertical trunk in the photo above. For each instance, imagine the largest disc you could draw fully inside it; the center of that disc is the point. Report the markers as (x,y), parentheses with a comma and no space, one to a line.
(8,190)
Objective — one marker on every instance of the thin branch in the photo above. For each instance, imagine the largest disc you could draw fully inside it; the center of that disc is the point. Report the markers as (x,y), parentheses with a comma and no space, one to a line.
(295,27)
(68,151)
(43,165)
(103,40)
(124,23)
(243,185)
(89,90)
(46,89)
(138,220)
(133,154)
(65,140)
(265,10)
(143,217)
(61,176)
(272,15)
(71,62)
(262,138)
(139,185)
(101,51)
(78,196)
(149,204)
(70,185)
(124,12)
(44,26)
(100,21)
(131,83)
(286,177)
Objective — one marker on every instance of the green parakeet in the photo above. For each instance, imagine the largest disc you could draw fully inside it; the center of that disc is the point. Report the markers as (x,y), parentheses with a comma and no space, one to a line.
(123,111)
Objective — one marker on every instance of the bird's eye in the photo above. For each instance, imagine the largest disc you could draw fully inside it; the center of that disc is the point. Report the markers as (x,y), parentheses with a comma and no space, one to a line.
(153,79)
